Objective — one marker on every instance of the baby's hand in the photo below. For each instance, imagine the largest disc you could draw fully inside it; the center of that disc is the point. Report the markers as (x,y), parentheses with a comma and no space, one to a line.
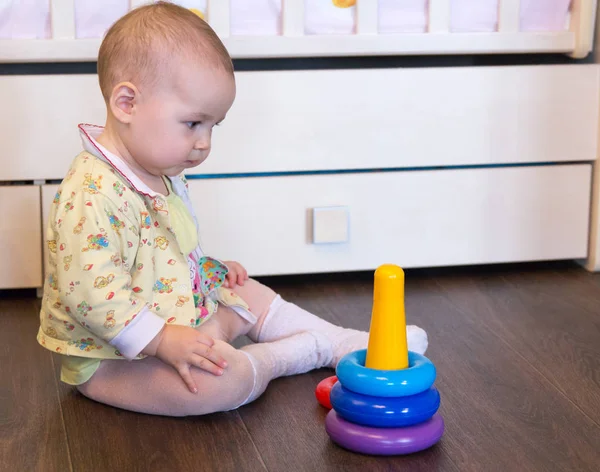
(182,347)
(236,275)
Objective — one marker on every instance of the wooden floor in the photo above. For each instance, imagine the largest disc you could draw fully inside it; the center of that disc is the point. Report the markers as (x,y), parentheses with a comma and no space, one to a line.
(517,349)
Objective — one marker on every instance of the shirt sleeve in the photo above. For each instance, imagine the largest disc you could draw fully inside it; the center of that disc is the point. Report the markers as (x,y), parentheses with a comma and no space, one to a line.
(100,244)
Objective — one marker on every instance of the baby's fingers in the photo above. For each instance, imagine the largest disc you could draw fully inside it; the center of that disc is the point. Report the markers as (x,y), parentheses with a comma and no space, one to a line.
(186,375)
(210,354)
(206,365)
(242,276)
(232,278)
(205,339)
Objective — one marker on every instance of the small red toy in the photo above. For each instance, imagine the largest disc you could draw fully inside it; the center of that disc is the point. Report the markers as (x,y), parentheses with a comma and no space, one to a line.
(324,389)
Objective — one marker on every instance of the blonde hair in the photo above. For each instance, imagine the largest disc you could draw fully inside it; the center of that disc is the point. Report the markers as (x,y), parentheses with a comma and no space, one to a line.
(139,47)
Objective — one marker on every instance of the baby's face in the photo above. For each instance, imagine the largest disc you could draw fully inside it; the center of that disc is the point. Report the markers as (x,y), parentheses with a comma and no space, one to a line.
(172,127)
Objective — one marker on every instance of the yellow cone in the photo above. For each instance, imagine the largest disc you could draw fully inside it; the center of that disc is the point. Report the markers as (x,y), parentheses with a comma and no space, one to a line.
(344,3)
(387,349)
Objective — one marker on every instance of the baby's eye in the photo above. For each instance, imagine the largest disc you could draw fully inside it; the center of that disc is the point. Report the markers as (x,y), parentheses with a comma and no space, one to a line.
(192,124)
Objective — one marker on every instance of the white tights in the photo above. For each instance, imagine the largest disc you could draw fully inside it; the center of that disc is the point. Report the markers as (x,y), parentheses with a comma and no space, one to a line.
(289,341)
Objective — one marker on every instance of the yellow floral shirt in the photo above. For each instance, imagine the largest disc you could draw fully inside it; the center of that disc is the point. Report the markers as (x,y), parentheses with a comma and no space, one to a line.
(116,272)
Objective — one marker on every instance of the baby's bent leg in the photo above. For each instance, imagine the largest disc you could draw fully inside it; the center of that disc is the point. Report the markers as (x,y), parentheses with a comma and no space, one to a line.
(150,386)
(227,325)
(279,319)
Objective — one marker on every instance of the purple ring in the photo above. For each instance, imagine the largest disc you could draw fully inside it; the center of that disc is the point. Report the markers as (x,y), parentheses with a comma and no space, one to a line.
(384,441)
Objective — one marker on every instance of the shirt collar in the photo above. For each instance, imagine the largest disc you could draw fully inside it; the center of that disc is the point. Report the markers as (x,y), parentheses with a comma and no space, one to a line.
(89,134)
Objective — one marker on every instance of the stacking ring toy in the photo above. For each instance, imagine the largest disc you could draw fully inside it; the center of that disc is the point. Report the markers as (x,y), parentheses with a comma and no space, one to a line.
(382,401)
(418,377)
(384,412)
(384,441)
(323,391)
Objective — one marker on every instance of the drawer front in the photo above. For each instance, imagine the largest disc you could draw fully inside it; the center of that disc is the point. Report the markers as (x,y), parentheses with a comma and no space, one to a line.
(414,219)
(336,119)
(20,237)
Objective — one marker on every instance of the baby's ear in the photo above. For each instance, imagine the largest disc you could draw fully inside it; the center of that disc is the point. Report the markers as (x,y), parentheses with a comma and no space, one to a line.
(123,100)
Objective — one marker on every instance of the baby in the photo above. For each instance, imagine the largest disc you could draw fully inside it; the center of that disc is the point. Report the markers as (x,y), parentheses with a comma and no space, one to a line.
(142,317)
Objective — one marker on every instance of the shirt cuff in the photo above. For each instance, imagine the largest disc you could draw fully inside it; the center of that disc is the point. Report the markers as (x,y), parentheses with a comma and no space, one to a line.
(138,334)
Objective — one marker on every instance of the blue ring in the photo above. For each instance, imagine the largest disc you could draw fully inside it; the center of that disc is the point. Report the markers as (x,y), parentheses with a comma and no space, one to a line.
(353,375)
(384,412)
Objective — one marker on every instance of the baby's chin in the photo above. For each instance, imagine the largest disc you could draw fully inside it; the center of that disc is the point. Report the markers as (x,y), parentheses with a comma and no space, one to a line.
(174,172)
(177,170)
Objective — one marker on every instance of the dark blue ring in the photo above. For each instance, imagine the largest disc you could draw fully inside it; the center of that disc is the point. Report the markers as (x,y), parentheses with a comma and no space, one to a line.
(384,412)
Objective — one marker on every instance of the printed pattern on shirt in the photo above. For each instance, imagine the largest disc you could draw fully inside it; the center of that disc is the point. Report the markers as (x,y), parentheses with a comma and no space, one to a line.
(112,252)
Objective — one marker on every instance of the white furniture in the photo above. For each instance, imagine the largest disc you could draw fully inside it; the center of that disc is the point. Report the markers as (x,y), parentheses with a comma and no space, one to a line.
(432,166)
(20,236)
(576,40)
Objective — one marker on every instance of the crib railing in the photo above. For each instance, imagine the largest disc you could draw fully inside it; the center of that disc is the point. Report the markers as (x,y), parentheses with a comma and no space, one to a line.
(577,41)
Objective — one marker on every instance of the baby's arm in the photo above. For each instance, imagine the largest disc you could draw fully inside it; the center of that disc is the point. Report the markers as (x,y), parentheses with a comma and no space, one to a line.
(97,285)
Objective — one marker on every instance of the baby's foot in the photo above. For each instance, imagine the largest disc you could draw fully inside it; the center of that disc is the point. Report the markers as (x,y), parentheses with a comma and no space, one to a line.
(350,340)
(417,339)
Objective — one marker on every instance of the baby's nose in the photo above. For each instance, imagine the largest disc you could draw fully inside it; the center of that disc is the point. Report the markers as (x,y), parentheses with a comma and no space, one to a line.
(202,144)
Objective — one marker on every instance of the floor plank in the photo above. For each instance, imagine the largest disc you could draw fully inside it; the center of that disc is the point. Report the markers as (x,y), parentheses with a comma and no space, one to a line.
(549,317)
(500,411)
(32,435)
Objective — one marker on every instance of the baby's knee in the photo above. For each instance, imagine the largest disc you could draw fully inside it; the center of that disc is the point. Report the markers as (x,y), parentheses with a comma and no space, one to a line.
(228,391)
(259,297)
(119,383)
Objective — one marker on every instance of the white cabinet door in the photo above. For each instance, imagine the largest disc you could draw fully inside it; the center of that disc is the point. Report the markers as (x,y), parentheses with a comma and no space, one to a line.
(20,237)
